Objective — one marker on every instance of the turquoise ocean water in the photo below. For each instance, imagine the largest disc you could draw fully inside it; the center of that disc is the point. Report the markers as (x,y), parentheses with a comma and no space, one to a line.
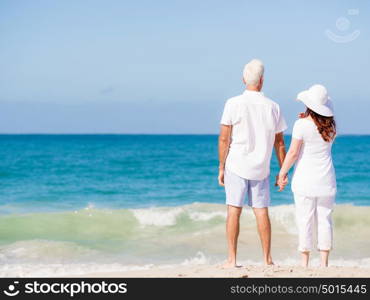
(87,203)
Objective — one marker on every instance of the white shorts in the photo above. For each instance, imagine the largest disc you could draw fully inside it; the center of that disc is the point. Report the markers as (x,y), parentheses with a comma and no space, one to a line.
(237,187)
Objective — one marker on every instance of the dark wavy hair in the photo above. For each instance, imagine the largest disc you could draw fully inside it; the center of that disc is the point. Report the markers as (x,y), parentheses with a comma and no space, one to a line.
(325,125)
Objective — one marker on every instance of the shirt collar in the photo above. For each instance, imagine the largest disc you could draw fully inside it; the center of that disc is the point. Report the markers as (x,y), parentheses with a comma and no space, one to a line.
(246,92)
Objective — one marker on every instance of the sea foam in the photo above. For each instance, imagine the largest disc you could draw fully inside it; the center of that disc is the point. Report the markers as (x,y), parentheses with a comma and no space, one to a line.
(92,239)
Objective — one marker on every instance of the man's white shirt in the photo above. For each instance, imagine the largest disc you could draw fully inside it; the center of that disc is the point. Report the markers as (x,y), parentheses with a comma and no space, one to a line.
(255,120)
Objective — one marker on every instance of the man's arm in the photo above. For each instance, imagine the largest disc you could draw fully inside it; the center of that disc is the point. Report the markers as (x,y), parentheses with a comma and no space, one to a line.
(223,150)
(280,152)
(279,146)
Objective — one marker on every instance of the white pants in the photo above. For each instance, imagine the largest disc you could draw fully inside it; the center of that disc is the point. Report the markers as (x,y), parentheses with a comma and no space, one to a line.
(311,211)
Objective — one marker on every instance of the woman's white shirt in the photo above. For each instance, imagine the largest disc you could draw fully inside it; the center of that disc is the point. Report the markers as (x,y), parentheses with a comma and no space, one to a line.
(314,174)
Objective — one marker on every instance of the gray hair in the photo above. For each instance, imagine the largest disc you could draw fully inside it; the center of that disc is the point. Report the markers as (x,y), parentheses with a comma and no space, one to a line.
(253,72)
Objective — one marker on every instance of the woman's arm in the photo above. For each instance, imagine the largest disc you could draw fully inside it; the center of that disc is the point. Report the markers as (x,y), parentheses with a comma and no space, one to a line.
(290,158)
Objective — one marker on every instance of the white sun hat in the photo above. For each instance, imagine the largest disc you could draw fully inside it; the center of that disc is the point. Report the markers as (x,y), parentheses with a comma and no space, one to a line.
(317,99)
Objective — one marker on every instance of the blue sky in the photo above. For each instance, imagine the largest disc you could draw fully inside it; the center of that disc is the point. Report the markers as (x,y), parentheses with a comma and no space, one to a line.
(168,66)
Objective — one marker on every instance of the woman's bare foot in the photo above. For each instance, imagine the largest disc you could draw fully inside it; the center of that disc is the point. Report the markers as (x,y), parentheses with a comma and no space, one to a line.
(305,256)
(324,258)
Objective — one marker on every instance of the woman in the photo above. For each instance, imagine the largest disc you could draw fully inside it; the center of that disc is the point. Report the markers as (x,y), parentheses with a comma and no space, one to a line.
(313,183)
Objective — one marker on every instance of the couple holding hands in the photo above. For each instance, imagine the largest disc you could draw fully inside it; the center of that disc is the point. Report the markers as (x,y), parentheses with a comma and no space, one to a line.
(251,126)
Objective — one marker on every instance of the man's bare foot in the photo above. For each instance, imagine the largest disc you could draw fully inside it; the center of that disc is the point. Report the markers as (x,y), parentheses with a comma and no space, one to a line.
(269,262)
(229,265)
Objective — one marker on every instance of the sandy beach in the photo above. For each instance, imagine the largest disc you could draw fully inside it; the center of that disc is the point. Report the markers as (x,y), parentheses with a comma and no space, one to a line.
(207,271)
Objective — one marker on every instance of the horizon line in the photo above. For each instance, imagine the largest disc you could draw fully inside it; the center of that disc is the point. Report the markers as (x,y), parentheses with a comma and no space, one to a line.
(110,133)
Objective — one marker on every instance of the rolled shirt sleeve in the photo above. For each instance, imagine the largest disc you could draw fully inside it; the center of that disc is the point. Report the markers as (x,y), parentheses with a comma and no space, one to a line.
(281,123)
(226,118)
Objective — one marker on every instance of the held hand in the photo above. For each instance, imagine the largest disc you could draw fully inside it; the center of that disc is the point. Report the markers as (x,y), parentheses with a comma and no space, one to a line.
(282,181)
(277,180)
(221,177)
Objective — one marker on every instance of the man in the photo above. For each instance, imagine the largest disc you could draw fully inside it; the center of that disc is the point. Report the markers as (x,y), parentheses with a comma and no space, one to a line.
(251,125)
